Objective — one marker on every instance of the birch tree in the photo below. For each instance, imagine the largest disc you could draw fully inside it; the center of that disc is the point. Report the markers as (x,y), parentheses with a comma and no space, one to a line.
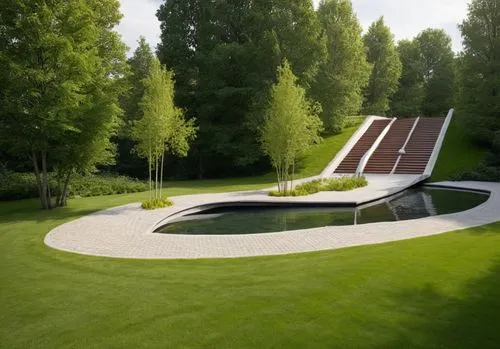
(162,127)
(290,127)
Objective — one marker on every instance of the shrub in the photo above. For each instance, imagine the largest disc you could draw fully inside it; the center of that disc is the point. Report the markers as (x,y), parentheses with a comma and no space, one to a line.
(14,186)
(332,184)
(482,173)
(156,203)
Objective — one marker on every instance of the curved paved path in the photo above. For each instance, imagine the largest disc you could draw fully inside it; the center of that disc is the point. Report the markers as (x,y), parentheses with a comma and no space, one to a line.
(126,231)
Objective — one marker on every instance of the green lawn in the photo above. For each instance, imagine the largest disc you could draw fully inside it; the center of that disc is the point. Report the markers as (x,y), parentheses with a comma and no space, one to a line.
(437,292)
(457,155)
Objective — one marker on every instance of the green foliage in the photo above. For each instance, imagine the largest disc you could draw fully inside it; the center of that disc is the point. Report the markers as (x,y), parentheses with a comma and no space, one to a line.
(156,203)
(62,64)
(438,70)
(291,126)
(140,67)
(482,173)
(408,99)
(342,78)
(162,127)
(479,70)
(15,186)
(319,185)
(225,68)
(427,84)
(382,54)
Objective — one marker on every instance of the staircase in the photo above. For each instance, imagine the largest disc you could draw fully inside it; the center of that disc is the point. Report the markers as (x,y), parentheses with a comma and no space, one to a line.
(350,163)
(419,148)
(383,159)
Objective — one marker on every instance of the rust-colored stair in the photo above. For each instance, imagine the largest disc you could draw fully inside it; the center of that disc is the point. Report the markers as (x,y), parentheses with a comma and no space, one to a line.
(420,146)
(383,159)
(350,163)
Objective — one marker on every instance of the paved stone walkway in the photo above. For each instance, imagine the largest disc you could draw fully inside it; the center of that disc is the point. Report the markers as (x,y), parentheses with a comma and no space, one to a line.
(126,231)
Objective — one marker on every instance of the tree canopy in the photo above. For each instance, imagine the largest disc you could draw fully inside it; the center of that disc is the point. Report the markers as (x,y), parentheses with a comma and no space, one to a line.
(62,64)
(479,67)
(291,125)
(345,73)
(224,55)
(437,62)
(162,127)
(382,54)
(427,84)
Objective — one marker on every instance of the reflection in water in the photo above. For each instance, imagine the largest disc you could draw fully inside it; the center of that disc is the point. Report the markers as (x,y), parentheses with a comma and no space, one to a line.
(411,204)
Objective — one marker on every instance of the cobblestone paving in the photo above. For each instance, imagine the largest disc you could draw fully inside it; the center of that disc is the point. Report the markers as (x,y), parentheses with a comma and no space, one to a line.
(126,231)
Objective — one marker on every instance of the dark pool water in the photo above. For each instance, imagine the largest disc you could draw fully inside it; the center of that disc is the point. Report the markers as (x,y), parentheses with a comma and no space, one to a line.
(411,204)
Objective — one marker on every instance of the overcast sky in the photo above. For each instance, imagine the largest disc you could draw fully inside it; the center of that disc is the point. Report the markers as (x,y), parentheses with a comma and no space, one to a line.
(406,18)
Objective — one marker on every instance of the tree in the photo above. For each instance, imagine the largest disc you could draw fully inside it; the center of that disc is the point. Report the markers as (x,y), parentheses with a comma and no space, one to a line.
(342,78)
(139,64)
(140,68)
(162,127)
(382,54)
(427,84)
(437,61)
(291,125)
(479,67)
(408,99)
(224,54)
(63,65)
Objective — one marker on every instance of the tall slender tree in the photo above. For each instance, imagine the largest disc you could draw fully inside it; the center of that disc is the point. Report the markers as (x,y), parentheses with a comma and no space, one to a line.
(437,62)
(162,126)
(382,54)
(291,125)
(63,65)
(408,99)
(128,163)
(479,102)
(342,78)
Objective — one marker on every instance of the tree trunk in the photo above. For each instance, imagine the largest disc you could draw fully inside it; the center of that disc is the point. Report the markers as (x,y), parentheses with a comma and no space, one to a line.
(59,188)
(41,193)
(156,178)
(63,201)
(150,165)
(45,180)
(285,173)
(278,175)
(161,173)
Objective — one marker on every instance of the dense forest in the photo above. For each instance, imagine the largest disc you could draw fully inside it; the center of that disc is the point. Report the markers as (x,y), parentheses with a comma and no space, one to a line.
(69,95)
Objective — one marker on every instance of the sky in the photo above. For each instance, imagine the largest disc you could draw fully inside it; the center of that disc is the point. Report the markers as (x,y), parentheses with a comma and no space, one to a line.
(406,18)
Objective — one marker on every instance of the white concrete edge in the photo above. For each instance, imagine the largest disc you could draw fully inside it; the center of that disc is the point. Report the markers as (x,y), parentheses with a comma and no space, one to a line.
(332,166)
(364,160)
(274,201)
(403,148)
(479,221)
(439,143)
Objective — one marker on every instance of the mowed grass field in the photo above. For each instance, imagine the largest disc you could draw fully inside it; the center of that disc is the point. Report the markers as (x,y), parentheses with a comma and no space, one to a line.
(436,292)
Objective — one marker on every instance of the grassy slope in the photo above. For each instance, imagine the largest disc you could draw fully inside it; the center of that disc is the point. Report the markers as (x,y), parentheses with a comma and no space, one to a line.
(458,154)
(437,292)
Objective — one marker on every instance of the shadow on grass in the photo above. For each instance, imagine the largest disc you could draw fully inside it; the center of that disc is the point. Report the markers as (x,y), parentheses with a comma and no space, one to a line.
(470,320)
(33,213)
